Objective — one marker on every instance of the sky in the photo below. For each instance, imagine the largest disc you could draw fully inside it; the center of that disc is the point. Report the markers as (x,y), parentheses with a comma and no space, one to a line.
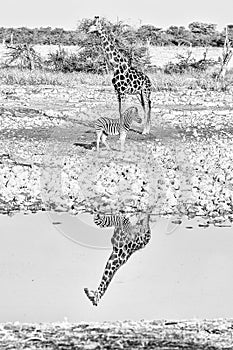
(67,13)
(187,274)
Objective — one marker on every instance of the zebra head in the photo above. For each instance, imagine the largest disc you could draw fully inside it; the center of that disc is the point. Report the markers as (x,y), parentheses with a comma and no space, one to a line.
(132,112)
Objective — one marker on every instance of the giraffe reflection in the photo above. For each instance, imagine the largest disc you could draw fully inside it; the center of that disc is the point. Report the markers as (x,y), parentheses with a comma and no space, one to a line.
(126,240)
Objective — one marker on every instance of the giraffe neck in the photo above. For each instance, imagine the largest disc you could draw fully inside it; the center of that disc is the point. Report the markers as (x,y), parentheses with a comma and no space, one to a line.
(113,55)
(125,243)
(115,261)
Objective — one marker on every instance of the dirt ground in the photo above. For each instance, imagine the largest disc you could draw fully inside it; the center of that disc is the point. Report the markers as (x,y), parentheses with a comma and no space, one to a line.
(48,157)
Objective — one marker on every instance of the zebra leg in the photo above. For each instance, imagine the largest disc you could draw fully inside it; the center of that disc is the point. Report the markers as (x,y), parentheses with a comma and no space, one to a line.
(104,138)
(98,140)
(122,139)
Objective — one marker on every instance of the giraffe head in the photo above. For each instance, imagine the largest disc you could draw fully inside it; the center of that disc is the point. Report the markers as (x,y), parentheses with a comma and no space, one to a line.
(96,26)
(107,40)
(92,295)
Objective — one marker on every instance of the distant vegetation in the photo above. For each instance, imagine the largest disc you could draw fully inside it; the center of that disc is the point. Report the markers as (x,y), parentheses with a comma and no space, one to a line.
(90,56)
(133,42)
(197,34)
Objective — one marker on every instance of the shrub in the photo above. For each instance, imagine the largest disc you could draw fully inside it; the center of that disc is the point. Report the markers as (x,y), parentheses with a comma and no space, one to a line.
(24,56)
(189,64)
(62,61)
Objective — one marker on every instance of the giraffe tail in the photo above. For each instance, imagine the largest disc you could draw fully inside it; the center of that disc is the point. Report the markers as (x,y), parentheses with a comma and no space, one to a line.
(92,295)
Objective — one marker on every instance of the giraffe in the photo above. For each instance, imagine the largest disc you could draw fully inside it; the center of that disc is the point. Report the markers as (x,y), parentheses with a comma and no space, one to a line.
(126,240)
(127,80)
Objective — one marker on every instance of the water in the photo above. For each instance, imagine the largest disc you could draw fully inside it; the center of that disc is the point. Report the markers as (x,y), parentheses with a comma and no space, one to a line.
(43,273)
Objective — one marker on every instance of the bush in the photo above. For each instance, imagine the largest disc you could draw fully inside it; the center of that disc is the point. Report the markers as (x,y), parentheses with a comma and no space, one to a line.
(24,56)
(189,64)
(62,61)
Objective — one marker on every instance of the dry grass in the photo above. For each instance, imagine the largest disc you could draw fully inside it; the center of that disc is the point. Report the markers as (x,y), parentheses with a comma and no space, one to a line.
(11,76)
(192,80)
(160,80)
(185,335)
(159,56)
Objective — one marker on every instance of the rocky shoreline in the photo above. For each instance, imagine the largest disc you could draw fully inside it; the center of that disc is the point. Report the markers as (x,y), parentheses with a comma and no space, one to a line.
(48,159)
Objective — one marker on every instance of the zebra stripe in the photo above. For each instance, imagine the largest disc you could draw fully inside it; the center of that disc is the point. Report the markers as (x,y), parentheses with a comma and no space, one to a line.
(110,126)
(107,126)
(102,221)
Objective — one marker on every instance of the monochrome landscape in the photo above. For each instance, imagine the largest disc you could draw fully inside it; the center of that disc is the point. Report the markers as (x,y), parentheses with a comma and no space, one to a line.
(168,168)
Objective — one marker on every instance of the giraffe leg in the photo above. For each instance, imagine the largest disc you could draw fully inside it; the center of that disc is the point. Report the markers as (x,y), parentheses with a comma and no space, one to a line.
(120,112)
(148,120)
(147,112)
(144,110)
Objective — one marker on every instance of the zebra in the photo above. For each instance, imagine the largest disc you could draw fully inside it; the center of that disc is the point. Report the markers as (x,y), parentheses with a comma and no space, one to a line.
(111,220)
(108,126)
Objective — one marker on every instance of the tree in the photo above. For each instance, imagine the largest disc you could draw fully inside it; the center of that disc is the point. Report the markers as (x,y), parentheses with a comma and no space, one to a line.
(226,55)
(90,57)
(202,28)
(91,54)
(149,32)
(179,35)
(24,55)
(203,33)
